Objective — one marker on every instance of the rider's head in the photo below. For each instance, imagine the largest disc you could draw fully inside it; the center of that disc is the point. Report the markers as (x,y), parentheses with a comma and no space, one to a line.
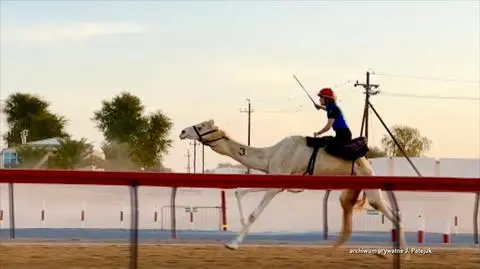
(326,96)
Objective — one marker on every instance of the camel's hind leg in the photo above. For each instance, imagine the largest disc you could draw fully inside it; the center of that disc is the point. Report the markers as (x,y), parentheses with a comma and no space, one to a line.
(239,194)
(253,217)
(348,199)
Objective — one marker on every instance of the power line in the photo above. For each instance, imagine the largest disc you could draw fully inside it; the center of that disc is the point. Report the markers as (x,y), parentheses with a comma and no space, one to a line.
(394,94)
(287,110)
(426,78)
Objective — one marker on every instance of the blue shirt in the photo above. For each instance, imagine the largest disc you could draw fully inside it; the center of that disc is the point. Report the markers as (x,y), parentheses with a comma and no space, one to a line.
(334,112)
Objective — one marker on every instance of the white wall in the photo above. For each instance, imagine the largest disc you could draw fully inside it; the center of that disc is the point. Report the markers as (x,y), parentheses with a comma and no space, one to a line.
(287,212)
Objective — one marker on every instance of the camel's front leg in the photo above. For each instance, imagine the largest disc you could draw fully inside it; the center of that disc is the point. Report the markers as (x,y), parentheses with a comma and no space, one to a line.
(234,244)
(239,194)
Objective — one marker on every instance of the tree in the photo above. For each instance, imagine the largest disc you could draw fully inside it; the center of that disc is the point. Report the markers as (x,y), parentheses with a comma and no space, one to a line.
(27,111)
(71,154)
(151,142)
(120,118)
(143,139)
(375,152)
(409,139)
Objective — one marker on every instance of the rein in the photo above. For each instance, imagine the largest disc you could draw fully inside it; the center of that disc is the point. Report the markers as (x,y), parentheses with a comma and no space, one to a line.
(204,141)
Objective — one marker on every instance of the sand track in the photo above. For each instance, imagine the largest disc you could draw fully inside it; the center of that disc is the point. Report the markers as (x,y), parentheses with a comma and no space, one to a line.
(195,256)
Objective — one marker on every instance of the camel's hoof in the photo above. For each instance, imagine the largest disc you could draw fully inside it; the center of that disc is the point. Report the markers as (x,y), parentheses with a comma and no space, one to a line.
(231,245)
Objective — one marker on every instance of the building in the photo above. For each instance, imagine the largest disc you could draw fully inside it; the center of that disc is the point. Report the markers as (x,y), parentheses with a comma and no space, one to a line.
(9,157)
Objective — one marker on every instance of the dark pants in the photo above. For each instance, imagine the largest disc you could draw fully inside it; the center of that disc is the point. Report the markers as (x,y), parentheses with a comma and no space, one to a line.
(343,135)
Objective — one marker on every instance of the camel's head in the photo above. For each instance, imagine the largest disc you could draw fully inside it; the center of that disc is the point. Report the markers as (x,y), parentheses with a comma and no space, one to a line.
(205,132)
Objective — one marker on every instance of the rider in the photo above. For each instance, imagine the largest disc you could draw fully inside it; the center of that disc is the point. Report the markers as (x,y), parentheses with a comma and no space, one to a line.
(334,115)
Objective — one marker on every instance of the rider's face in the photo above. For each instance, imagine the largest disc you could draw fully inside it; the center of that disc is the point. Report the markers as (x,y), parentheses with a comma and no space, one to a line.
(322,101)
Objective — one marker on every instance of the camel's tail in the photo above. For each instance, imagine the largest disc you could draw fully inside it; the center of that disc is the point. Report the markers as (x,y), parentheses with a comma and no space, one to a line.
(359,204)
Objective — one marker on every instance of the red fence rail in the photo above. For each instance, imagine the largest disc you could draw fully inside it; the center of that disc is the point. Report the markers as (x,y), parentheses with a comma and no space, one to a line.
(228,181)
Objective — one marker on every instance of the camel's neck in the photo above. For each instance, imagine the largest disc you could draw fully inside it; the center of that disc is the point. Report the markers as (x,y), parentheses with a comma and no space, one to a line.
(253,158)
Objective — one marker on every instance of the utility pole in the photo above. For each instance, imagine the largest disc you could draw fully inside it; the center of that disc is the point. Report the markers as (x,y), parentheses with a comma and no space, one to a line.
(249,112)
(188,161)
(194,155)
(368,93)
(203,158)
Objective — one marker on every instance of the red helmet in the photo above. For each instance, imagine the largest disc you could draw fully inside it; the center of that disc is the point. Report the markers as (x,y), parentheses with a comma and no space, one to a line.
(326,93)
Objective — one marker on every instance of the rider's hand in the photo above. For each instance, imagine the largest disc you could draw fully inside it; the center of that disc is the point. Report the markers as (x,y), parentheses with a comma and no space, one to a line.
(317,106)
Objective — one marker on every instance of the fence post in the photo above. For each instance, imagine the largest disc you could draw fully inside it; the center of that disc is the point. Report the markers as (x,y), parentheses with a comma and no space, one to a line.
(12,210)
(134,225)
(224,210)
(396,222)
(325,214)
(173,226)
(475,218)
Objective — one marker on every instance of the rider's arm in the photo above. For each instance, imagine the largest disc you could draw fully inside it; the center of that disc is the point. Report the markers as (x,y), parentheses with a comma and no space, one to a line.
(331,115)
(320,107)
(326,127)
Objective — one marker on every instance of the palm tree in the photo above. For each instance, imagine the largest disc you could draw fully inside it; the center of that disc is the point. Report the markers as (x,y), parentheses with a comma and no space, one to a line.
(71,154)
(32,157)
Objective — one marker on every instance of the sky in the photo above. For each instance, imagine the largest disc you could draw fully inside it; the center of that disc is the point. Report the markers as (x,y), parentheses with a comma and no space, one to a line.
(201,60)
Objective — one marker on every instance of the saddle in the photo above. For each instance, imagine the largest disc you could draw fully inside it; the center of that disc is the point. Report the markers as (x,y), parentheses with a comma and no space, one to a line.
(350,151)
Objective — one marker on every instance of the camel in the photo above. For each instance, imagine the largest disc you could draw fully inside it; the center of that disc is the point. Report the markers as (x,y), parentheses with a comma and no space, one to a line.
(290,156)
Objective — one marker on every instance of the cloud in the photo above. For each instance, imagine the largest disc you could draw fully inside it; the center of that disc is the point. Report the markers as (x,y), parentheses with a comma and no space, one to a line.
(47,33)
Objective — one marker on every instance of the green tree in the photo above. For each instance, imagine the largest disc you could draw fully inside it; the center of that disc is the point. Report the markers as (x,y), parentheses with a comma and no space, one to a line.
(151,141)
(120,118)
(31,112)
(127,131)
(71,154)
(375,152)
(409,139)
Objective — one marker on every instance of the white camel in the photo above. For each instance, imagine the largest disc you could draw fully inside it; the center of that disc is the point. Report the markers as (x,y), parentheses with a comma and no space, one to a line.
(290,156)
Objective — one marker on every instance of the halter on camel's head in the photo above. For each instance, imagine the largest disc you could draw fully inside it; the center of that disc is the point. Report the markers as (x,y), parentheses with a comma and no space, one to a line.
(205,132)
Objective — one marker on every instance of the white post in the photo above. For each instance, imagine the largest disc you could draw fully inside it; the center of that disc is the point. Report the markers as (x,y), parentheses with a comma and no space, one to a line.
(43,213)
(421,229)
(446,234)
(191,217)
(437,168)
(122,212)
(82,215)
(155,215)
(391,166)
(456,226)
(1,217)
